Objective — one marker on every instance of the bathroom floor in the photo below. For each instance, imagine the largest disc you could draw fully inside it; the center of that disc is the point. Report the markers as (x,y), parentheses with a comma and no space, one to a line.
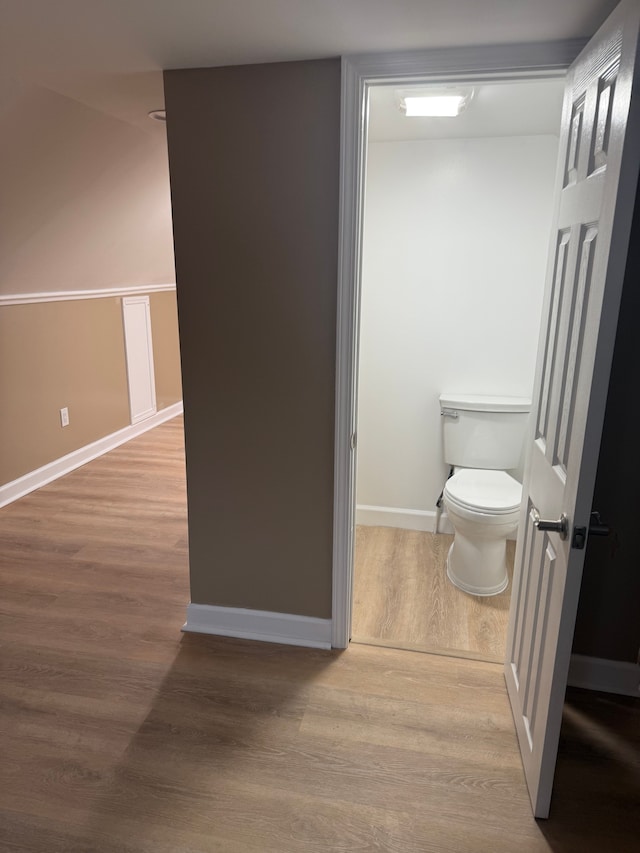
(403,598)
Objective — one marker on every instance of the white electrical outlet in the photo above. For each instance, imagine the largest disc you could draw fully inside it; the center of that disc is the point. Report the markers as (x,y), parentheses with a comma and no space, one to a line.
(64,417)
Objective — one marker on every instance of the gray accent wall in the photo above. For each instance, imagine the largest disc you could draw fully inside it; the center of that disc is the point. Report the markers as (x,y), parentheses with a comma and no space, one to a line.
(254,163)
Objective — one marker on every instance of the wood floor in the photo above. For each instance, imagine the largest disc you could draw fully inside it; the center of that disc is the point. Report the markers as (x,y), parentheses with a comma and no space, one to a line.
(120,735)
(403,599)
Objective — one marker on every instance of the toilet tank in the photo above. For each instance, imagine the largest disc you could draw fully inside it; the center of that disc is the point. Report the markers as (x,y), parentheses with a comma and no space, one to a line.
(484,432)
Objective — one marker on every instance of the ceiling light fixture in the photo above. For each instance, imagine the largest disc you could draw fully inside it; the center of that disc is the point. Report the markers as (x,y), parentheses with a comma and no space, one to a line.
(433,104)
(158,115)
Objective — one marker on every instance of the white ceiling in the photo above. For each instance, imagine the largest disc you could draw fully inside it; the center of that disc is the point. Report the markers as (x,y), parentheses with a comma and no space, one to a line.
(108,53)
(523,108)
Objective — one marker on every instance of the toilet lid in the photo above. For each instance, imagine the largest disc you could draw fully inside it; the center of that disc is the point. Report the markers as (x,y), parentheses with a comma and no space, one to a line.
(489,491)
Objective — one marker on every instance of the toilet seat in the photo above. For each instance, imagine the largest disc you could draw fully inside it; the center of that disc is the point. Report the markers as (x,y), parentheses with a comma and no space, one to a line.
(484,492)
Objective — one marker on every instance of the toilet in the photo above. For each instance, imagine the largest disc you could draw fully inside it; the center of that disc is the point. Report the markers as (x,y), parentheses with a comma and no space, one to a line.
(483,439)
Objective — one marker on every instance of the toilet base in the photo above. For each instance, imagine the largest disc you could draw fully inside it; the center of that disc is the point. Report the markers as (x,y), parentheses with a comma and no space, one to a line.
(498,568)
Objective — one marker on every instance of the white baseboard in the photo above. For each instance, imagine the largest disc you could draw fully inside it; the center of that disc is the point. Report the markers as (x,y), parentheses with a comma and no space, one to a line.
(59,467)
(261,625)
(407,519)
(610,676)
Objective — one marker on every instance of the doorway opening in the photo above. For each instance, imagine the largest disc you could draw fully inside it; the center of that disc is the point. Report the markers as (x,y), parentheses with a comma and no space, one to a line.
(455,232)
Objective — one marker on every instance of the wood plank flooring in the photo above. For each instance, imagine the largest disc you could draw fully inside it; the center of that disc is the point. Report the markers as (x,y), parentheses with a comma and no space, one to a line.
(403,598)
(120,735)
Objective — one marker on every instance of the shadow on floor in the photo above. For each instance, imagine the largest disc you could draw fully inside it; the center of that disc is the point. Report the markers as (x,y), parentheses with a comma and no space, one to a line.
(596,799)
(203,770)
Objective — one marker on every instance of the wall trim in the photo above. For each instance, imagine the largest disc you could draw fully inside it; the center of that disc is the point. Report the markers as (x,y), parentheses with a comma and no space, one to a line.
(407,519)
(358,73)
(59,467)
(609,676)
(138,350)
(69,295)
(263,625)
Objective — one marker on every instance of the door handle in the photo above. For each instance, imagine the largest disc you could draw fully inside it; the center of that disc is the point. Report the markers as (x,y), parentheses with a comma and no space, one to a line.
(560,526)
(597,527)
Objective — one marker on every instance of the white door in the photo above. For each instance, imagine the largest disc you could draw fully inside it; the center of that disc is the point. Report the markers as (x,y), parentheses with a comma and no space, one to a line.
(597,178)
(136,318)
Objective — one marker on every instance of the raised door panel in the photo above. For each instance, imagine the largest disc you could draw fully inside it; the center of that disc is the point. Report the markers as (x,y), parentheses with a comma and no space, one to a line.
(139,354)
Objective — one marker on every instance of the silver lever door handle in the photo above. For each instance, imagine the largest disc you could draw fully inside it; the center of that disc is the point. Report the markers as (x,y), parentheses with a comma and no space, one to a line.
(560,526)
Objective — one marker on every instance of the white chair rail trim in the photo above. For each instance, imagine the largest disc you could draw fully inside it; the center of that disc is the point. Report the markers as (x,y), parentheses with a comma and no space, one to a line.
(70,295)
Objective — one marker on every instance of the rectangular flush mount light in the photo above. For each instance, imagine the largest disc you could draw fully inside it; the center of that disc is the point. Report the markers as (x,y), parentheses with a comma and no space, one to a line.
(433,105)
(430,103)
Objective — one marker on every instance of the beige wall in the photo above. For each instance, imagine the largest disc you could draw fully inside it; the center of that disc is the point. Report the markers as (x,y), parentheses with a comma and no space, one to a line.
(254,160)
(55,354)
(85,198)
(84,205)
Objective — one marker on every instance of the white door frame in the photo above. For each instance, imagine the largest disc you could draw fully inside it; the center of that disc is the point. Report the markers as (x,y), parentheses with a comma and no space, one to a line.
(358,74)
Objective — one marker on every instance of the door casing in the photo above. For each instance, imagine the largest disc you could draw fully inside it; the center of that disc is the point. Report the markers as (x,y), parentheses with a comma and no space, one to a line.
(506,62)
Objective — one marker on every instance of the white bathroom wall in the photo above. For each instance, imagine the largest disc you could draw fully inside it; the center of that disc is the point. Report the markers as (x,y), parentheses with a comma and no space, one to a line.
(455,244)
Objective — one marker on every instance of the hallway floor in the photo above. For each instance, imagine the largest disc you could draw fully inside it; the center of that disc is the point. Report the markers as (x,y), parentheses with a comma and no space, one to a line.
(119,734)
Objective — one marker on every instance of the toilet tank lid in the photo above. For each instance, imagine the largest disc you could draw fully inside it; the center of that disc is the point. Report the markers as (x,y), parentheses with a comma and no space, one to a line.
(480,403)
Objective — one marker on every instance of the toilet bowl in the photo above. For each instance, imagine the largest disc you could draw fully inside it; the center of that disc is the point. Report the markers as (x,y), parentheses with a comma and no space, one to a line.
(483,506)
